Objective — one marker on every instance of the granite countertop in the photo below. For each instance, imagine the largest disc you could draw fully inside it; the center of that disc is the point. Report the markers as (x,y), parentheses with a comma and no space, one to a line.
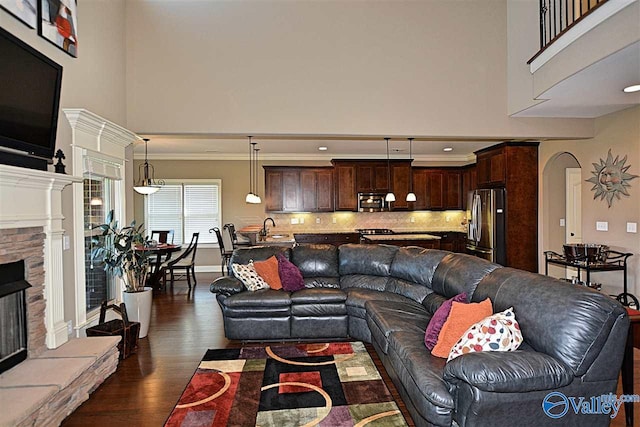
(409,236)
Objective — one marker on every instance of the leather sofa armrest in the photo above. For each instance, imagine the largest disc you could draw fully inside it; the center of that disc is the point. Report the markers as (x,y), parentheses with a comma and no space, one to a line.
(226,285)
(508,372)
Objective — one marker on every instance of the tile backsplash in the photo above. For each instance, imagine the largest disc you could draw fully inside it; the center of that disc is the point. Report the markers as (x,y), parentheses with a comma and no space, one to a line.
(349,221)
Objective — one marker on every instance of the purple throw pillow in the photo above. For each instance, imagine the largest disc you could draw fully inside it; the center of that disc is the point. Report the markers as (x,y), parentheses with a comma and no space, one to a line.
(290,275)
(438,319)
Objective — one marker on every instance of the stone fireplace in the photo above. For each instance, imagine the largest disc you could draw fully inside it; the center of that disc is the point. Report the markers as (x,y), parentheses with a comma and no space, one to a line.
(24,248)
(57,375)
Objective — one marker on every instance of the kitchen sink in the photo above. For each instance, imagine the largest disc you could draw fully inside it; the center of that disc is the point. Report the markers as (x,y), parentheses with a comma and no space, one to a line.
(277,236)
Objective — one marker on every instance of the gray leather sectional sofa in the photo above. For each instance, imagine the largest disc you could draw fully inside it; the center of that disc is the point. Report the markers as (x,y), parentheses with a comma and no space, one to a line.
(574,337)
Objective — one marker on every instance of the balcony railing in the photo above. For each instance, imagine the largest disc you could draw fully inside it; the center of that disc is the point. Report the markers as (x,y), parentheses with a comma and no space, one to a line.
(558,16)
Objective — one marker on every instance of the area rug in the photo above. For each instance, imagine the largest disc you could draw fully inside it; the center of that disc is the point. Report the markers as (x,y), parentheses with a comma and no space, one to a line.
(327,385)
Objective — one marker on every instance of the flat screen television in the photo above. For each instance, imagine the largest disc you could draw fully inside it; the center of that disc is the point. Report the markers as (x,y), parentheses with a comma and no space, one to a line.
(29,102)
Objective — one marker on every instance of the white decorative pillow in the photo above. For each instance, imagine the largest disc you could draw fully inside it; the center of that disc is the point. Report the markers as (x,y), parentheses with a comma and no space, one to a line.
(248,275)
(498,332)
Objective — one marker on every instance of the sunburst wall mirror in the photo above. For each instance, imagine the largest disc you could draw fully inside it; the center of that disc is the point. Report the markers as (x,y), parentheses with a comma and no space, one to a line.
(610,178)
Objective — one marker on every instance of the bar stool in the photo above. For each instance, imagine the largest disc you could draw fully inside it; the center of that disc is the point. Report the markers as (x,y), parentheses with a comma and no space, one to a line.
(233,236)
(225,255)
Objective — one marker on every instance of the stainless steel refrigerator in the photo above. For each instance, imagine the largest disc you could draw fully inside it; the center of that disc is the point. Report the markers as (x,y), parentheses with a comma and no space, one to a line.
(486,222)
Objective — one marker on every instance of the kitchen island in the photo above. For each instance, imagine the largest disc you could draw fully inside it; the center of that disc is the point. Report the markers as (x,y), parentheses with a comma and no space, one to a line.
(424,240)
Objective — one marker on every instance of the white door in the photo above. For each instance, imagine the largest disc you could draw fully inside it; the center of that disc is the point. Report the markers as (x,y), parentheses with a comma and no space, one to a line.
(573,205)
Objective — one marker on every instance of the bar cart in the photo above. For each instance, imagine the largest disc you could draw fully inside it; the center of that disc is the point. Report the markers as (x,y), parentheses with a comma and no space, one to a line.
(610,261)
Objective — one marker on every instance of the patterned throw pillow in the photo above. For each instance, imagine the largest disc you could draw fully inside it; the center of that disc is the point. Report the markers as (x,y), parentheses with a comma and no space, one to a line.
(247,274)
(439,317)
(499,332)
(268,270)
(460,319)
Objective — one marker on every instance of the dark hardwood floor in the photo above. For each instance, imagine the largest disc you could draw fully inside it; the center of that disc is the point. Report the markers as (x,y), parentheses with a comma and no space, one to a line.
(146,386)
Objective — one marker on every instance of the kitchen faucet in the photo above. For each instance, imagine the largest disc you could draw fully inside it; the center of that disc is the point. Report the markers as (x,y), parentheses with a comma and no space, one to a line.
(264,231)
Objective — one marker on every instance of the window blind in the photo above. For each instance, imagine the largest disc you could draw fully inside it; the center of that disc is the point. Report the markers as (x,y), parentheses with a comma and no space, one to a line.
(164,211)
(201,211)
(186,209)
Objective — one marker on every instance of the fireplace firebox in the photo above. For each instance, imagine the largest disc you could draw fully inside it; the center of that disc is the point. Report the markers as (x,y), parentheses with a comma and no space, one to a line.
(13,315)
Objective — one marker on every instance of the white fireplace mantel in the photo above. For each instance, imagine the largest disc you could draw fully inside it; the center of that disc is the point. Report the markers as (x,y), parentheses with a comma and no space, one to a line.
(33,198)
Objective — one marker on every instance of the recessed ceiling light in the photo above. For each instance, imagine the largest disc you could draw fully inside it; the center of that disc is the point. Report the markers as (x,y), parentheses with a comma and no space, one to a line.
(447,149)
(631,89)
(322,148)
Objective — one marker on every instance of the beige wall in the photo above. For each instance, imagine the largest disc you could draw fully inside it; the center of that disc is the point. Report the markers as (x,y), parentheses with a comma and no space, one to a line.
(619,132)
(94,81)
(431,68)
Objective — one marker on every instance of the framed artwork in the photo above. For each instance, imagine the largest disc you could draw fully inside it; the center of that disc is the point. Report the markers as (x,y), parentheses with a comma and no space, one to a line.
(59,24)
(24,10)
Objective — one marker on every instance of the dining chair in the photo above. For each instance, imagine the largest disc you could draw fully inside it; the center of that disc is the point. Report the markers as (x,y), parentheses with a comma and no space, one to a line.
(185,261)
(162,236)
(225,255)
(233,236)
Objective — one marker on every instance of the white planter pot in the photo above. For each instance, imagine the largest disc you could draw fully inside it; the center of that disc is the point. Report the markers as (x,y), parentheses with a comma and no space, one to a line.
(139,308)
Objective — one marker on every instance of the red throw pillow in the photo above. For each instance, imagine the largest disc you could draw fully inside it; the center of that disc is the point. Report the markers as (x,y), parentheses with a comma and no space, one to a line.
(437,320)
(461,318)
(268,270)
(290,275)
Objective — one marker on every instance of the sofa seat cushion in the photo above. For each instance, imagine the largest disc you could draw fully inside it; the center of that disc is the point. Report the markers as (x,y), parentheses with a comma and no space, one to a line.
(357,298)
(420,373)
(385,317)
(261,298)
(319,310)
(318,296)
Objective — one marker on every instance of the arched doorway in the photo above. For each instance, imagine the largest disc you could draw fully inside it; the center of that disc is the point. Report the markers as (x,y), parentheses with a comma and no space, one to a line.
(562,207)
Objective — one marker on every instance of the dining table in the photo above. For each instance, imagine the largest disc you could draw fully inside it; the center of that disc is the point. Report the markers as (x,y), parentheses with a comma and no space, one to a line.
(163,253)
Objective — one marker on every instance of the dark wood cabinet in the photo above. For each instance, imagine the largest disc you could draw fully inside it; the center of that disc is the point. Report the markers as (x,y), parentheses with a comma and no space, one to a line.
(335,239)
(437,188)
(400,176)
(469,183)
(294,189)
(491,167)
(370,176)
(514,166)
(452,241)
(345,186)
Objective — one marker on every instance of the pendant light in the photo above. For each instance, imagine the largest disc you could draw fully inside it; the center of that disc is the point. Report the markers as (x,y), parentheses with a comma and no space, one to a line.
(411,196)
(146,183)
(251,195)
(255,172)
(390,197)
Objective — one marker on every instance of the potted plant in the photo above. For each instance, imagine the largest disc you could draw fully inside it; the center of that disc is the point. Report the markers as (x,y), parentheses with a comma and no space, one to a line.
(122,259)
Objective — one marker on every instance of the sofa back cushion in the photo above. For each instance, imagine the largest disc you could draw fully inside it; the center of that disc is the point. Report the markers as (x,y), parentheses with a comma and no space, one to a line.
(568,322)
(416,265)
(458,273)
(412,271)
(316,260)
(372,260)
(257,253)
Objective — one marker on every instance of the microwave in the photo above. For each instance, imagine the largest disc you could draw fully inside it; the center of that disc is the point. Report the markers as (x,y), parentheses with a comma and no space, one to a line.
(371,202)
